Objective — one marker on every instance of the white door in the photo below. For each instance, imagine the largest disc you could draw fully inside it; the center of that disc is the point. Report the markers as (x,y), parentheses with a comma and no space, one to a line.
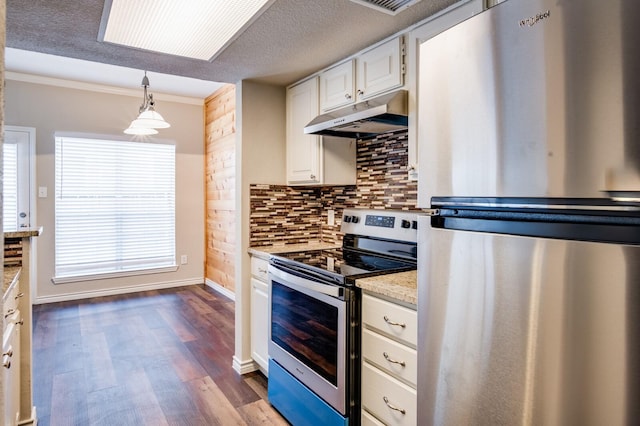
(17,149)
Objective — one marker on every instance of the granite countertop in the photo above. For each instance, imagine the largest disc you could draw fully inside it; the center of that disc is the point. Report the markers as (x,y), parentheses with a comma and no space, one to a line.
(24,233)
(265,251)
(401,286)
(11,273)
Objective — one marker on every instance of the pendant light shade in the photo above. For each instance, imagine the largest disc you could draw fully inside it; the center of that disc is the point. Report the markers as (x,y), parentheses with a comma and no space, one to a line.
(148,119)
(143,131)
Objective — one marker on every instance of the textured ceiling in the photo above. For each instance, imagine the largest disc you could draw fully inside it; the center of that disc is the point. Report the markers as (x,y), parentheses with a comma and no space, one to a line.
(291,39)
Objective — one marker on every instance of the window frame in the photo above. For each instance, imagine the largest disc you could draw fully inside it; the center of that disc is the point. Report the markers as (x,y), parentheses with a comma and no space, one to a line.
(60,276)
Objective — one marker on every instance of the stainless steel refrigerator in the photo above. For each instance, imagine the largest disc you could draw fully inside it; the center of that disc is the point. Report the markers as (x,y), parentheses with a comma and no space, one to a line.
(529,268)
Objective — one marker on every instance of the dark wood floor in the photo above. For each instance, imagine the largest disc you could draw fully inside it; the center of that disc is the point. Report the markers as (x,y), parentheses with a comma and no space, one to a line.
(153,358)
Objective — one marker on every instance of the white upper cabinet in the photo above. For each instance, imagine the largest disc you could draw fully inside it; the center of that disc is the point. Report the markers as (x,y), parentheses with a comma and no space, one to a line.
(336,86)
(380,69)
(303,151)
(312,159)
(375,71)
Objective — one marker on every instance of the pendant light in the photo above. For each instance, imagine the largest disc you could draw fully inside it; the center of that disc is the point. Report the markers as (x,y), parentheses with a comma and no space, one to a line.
(148,119)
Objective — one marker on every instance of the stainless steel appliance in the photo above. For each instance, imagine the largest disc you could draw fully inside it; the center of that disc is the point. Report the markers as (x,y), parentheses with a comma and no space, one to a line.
(529,270)
(366,119)
(314,340)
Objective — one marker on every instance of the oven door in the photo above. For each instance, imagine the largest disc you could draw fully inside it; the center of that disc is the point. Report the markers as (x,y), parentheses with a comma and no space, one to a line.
(308,333)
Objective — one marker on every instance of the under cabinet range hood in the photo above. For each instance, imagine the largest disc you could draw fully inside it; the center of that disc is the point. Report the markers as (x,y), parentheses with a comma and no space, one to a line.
(383,114)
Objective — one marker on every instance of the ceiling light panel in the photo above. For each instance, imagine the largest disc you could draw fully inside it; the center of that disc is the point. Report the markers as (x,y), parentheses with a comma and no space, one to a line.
(197,29)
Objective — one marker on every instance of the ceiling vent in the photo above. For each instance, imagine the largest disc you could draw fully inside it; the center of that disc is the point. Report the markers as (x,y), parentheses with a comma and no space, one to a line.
(392,7)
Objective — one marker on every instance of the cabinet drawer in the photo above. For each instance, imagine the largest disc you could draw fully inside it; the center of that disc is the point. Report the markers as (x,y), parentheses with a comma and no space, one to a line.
(397,359)
(388,399)
(259,268)
(11,299)
(368,420)
(391,319)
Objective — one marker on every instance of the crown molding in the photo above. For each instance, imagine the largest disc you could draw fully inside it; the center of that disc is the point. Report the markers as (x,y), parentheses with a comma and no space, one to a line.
(93,87)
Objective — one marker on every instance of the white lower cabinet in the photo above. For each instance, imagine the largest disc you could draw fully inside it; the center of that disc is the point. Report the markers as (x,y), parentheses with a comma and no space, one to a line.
(389,363)
(11,370)
(369,420)
(11,355)
(260,313)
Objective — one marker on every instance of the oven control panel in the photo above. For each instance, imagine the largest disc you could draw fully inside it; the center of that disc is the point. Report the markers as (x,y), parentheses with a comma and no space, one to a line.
(391,224)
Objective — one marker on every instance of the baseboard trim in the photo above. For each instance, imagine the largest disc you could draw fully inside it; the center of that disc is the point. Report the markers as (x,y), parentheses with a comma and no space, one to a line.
(114,291)
(220,289)
(244,367)
(33,420)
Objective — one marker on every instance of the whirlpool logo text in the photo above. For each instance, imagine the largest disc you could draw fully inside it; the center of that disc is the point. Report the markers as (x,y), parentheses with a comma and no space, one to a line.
(530,22)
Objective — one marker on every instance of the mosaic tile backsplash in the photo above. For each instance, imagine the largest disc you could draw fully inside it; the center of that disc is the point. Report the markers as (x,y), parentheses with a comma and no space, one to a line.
(292,215)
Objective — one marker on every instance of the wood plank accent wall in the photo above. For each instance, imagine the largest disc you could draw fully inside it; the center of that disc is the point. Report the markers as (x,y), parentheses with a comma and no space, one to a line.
(220,171)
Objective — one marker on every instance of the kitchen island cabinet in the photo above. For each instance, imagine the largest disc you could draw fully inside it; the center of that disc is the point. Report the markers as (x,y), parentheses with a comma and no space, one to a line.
(12,321)
(17,385)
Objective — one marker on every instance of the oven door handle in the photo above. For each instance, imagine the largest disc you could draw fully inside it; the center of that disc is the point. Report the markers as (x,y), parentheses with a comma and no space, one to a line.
(292,280)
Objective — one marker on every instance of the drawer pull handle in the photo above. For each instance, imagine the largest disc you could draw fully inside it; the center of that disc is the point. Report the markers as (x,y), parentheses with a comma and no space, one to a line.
(393,361)
(9,352)
(393,407)
(9,313)
(19,295)
(6,363)
(262,270)
(21,322)
(388,321)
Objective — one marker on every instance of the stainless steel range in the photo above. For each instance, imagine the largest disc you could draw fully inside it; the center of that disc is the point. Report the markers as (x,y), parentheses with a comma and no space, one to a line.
(314,342)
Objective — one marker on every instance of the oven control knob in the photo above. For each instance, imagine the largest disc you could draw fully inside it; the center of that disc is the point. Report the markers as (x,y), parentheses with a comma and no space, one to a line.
(405,224)
(414,224)
(347,219)
(355,219)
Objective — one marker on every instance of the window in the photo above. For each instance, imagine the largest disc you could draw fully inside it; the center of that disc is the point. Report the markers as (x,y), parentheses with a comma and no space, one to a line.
(16,184)
(115,207)
(10,187)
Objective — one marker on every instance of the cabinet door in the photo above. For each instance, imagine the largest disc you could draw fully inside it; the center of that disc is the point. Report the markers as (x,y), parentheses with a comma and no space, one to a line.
(380,69)
(303,151)
(260,323)
(388,399)
(395,358)
(392,320)
(11,371)
(336,86)
(260,268)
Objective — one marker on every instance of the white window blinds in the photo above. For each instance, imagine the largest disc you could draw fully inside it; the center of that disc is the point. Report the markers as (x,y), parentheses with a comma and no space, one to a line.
(10,187)
(115,206)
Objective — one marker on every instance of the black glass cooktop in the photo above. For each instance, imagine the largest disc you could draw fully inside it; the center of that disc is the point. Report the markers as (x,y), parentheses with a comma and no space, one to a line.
(342,265)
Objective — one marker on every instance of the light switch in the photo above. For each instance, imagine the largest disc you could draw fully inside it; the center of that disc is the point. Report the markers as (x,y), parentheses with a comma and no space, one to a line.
(42,192)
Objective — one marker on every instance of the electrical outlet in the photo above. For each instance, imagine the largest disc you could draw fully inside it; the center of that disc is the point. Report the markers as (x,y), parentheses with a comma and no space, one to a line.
(183,259)
(331,217)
